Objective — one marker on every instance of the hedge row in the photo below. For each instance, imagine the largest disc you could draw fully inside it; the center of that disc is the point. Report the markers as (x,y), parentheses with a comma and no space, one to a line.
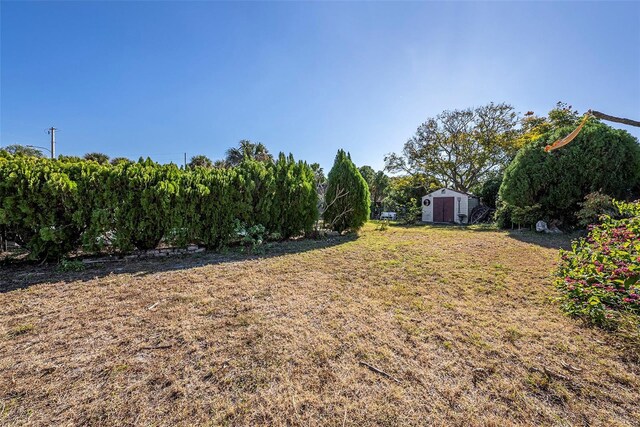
(52,207)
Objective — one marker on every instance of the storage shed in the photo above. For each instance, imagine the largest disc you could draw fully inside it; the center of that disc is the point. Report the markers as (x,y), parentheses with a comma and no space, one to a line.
(446,205)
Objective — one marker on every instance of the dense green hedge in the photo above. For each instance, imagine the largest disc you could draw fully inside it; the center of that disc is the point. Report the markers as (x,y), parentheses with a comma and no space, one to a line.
(550,186)
(54,207)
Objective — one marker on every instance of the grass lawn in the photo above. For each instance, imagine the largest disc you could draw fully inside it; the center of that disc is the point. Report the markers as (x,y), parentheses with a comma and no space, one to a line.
(460,324)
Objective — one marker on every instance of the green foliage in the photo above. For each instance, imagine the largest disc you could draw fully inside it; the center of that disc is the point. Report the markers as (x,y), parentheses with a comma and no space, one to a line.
(22,150)
(118,160)
(378,183)
(100,158)
(600,158)
(200,161)
(51,207)
(252,237)
(599,278)
(248,150)
(347,197)
(488,190)
(402,189)
(533,127)
(594,206)
(411,212)
(146,196)
(504,214)
(40,205)
(460,148)
(67,265)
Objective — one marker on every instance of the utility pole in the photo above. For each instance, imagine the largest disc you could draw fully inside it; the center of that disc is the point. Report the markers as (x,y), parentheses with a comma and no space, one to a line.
(52,132)
(185,161)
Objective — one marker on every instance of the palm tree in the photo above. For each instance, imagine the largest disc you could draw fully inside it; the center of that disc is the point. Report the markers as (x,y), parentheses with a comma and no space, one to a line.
(200,161)
(97,157)
(249,150)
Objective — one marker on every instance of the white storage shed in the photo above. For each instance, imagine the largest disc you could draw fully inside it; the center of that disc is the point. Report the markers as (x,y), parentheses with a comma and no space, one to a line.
(446,205)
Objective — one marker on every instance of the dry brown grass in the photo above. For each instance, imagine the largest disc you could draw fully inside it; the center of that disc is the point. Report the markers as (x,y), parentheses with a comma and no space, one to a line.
(462,319)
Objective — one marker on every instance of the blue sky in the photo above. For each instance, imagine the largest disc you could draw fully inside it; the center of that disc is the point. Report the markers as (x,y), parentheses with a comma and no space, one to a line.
(162,78)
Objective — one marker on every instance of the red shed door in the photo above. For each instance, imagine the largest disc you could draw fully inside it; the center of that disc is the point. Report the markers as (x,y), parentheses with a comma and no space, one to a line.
(443,209)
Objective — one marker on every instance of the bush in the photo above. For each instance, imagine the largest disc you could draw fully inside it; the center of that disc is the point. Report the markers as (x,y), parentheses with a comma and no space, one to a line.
(67,265)
(594,206)
(52,206)
(599,278)
(599,159)
(252,237)
(347,197)
(412,212)
(39,205)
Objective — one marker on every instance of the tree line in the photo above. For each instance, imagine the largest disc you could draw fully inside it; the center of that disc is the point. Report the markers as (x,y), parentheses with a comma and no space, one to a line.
(55,207)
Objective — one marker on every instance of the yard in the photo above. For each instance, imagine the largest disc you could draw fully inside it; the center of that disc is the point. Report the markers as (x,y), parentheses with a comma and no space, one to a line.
(408,326)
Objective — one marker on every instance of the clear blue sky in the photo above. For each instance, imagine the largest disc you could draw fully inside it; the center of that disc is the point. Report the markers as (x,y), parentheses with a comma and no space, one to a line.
(149,78)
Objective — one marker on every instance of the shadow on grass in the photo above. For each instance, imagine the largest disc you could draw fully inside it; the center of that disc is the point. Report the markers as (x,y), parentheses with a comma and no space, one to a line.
(21,276)
(551,241)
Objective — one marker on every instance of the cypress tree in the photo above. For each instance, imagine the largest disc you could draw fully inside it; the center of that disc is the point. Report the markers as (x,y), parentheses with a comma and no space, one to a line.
(347,197)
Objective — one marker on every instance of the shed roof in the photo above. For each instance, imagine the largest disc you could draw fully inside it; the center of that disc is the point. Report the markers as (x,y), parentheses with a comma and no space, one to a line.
(449,189)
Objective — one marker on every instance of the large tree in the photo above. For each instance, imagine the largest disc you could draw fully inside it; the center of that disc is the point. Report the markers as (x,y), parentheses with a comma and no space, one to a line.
(460,148)
(248,149)
(347,196)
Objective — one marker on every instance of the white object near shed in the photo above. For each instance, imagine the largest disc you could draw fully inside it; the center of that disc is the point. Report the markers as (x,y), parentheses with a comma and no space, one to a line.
(446,205)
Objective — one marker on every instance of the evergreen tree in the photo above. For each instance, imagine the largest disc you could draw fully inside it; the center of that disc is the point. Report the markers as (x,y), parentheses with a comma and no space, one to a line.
(347,197)
(540,185)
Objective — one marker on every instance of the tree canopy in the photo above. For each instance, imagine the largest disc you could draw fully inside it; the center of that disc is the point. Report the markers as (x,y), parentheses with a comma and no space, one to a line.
(200,161)
(100,158)
(248,149)
(378,183)
(460,148)
(551,185)
(120,160)
(22,150)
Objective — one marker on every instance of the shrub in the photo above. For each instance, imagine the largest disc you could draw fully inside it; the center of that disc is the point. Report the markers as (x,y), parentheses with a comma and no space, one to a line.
(599,278)
(39,205)
(251,237)
(145,196)
(347,196)
(66,265)
(594,206)
(412,212)
(599,159)
(52,206)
